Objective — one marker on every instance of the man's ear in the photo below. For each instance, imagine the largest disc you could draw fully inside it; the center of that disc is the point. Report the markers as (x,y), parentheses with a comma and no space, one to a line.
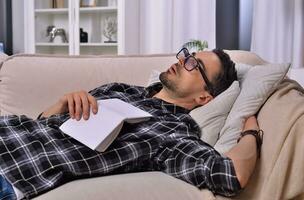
(204,98)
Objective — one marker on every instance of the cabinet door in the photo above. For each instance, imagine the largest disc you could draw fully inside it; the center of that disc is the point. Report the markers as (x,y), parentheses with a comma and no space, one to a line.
(96,27)
(52,27)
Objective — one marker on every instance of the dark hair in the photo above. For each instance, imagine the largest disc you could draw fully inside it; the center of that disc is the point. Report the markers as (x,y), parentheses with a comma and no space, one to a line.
(228,74)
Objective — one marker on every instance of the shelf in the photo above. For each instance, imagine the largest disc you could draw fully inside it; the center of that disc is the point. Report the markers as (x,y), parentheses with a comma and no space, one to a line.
(82,10)
(103,44)
(52,11)
(97,9)
(71,17)
(48,44)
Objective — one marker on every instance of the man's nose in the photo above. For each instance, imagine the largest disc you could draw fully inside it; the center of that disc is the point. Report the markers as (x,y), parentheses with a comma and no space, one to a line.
(181,61)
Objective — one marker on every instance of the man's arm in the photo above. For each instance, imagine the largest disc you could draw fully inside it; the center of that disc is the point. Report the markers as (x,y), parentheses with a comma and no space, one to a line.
(244,154)
(78,104)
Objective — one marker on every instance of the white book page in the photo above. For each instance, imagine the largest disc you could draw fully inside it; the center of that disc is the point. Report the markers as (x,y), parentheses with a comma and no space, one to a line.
(108,120)
(126,110)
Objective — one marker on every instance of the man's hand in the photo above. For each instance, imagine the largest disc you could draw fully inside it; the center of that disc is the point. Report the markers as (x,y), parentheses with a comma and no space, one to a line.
(78,104)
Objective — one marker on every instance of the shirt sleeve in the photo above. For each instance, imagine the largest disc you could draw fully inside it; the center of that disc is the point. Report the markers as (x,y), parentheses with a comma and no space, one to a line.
(102,90)
(106,90)
(200,165)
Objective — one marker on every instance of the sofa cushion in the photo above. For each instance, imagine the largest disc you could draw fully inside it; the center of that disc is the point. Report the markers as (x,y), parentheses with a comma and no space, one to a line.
(211,117)
(279,172)
(259,82)
(131,186)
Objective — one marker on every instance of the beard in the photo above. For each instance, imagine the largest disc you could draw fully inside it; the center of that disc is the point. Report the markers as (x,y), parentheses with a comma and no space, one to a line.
(167,83)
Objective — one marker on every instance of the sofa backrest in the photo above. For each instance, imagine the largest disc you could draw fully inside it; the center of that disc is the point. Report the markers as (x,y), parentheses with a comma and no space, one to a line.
(31,83)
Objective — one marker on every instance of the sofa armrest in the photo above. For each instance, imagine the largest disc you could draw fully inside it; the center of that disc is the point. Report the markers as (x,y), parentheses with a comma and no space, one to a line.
(278,174)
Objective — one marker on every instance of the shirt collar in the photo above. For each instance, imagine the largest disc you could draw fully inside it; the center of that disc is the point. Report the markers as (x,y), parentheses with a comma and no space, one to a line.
(172,108)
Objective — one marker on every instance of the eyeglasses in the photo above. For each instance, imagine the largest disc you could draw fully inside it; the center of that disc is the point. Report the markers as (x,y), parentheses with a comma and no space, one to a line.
(190,63)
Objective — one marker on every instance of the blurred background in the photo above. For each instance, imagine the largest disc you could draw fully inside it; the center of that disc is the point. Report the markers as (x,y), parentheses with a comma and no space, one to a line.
(271,28)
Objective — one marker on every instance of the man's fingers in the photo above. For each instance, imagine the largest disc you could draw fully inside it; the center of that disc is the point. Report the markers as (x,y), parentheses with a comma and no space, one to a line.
(78,106)
(71,106)
(93,103)
(85,106)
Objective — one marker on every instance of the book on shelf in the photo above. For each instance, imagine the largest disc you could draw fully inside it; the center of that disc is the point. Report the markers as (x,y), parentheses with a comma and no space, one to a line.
(101,129)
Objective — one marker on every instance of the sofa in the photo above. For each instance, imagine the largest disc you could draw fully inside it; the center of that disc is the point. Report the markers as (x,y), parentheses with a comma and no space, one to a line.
(31,83)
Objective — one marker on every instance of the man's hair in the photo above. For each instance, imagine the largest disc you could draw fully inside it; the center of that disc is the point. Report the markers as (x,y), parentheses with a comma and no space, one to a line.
(227,75)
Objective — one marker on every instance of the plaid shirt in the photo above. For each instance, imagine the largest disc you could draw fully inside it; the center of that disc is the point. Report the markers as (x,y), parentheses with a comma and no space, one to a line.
(35,156)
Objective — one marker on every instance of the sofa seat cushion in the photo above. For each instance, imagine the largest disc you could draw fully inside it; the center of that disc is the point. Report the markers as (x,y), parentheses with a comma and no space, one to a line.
(131,186)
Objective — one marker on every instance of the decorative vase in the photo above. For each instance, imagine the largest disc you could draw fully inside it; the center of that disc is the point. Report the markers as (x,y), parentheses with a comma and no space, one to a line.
(110,29)
(83,36)
(88,3)
(58,3)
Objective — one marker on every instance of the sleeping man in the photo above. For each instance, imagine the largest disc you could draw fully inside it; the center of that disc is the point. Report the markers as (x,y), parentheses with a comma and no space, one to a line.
(35,156)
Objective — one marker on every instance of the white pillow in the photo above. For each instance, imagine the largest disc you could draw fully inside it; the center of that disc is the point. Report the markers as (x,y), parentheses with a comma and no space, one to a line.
(241,70)
(259,82)
(210,117)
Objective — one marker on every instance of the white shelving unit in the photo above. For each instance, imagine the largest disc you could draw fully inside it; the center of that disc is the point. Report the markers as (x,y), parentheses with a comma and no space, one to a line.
(39,14)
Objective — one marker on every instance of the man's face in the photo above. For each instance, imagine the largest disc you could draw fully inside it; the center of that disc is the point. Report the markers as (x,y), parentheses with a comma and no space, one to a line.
(190,84)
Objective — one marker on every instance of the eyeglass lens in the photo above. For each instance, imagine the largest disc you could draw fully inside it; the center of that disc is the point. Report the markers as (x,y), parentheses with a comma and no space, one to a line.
(189,62)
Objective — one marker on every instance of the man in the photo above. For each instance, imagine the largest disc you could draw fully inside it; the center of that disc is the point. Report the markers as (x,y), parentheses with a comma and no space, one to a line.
(35,156)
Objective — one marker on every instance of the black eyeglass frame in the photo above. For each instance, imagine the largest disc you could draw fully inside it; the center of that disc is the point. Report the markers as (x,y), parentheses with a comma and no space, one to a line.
(200,65)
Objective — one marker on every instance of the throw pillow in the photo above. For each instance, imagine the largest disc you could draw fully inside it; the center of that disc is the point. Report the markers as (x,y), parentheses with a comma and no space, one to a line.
(259,82)
(241,70)
(210,117)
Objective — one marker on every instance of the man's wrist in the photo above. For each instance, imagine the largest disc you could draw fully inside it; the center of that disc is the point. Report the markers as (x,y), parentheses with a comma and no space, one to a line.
(258,134)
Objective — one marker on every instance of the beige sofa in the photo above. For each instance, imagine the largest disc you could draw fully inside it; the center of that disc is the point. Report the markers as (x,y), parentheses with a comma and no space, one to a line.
(30,83)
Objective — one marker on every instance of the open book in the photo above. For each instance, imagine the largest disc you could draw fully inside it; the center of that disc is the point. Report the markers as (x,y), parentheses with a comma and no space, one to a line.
(100,130)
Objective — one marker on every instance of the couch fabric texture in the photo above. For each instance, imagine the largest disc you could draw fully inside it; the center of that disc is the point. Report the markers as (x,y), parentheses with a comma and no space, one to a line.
(31,83)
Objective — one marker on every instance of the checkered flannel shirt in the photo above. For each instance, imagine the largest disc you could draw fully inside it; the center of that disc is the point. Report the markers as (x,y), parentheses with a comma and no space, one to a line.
(35,156)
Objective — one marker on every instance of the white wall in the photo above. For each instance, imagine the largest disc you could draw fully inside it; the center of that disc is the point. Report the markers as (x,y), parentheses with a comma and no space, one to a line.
(130,17)
(18,26)
(297,74)
(165,25)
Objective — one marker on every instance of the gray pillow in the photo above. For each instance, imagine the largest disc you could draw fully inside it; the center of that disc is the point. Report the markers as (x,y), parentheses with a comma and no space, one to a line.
(257,85)
(212,116)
